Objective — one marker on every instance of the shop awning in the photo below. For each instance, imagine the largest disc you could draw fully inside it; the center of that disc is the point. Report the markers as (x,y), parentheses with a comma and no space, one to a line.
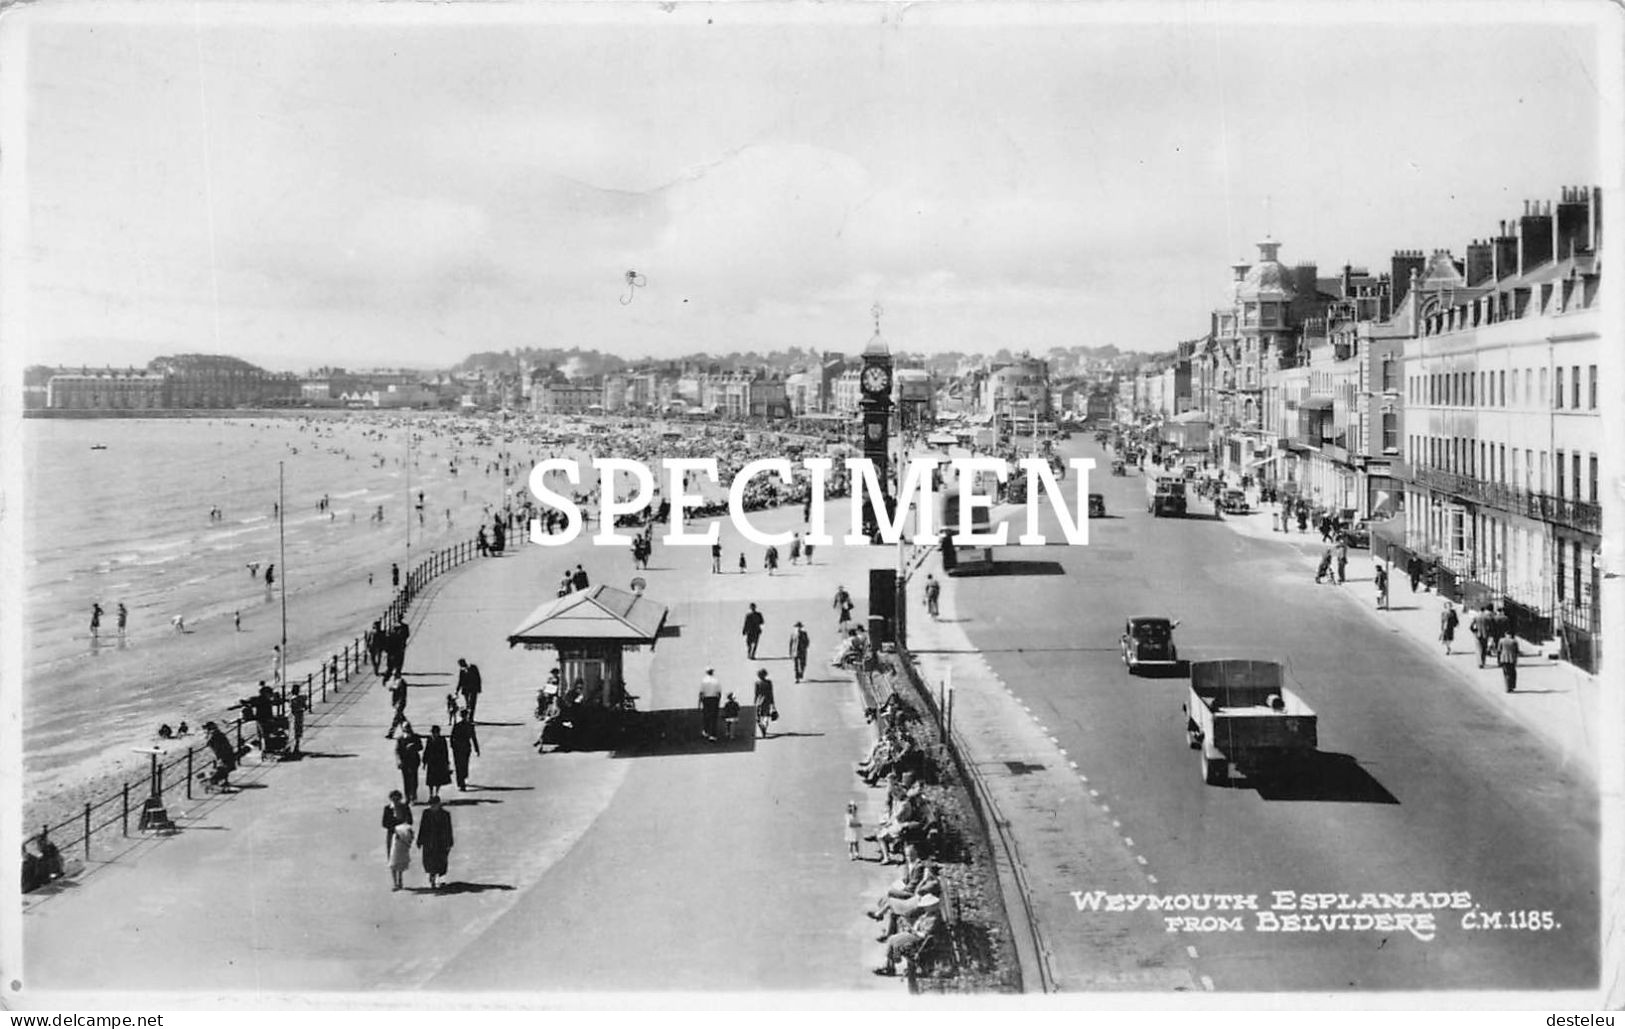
(942,439)
(1315,404)
(599,613)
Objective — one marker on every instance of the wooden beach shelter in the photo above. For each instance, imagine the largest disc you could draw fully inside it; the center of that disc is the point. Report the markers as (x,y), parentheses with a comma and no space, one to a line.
(592,629)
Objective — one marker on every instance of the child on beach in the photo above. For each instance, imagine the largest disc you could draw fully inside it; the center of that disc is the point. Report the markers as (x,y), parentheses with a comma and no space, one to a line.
(853,826)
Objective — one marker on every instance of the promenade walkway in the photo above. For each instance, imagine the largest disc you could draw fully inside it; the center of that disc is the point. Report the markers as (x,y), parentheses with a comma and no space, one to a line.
(1556,700)
(692,867)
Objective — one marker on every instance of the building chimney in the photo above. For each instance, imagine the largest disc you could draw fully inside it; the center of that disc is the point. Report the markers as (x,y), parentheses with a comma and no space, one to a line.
(1480,261)
(1534,238)
(1406,265)
(1239,269)
(1573,222)
(1504,253)
(1303,280)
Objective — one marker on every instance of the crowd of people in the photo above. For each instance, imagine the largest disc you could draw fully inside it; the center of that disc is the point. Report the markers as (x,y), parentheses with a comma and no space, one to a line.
(908,834)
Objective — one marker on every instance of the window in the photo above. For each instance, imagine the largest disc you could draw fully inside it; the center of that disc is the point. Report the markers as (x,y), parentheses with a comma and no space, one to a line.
(1545,396)
(1591,495)
(1390,443)
(1390,379)
(1503,479)
(1503,376)
(1559,470)
(1562,569)
(1557,394)
(1591,382)
(1575,477)
(1574,377)
(1543,473)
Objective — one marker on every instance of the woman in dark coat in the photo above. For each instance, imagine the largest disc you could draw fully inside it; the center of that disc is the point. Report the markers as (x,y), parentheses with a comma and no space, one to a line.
(435,839)
(436,762)
(408,755)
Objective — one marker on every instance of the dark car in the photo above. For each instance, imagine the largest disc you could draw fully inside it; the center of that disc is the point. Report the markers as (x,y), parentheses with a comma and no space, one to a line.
(1358,535)
(1097,505)
(1234,501)
(1149,641)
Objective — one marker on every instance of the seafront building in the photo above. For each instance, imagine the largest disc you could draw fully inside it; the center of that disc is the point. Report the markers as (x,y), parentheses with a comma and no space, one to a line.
(1453,401)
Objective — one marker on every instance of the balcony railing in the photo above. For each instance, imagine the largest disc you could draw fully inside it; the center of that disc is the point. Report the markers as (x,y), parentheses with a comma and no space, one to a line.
(1574,514)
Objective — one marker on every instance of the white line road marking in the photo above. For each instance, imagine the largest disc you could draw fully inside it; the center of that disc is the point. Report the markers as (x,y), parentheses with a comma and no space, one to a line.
(1074,764)
(1094,793)
(1128,840)
(1106,808)
(1207,983)
(1063,749)
(1140,858)
(1116,824)
(1190,950)
(1054,740)
(1150,878)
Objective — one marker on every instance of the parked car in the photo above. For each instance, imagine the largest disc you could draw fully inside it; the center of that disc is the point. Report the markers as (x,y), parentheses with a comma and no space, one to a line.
(1234,501)
(1149,641)
(1358,535)
(1097,505)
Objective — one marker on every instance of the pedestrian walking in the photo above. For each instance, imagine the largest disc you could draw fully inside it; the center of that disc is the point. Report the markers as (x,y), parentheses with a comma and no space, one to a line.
(843,607)
(397,701)
(742,564)
(394,575)
(1447,625)
(766,709)
(464,742)
(237,620)
(123,618)
(795,548)
(1381,579)
(710,702)
(1506,655)
(395,812)
(435,840)
(730,714)
(95,621)
(276,663)
(1413,571)
(297,706)
(1480,633)
(807,550)
(752,631)
(770,560)
(1342,560)
(400,854)
(436,762)
(373,639)
(716,558)
(408,756)
(933,591)
(468,686)
(800,644)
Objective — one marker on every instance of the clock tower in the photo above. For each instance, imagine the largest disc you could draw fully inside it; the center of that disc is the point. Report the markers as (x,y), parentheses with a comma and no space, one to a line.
(876,384)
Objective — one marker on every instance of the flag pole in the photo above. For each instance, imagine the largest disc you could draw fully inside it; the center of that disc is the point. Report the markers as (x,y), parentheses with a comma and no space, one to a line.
(282,557)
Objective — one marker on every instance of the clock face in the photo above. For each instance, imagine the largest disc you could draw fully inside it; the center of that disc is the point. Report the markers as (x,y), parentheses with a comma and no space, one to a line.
(875,379)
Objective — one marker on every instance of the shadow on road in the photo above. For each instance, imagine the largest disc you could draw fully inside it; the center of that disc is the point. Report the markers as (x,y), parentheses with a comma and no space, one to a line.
(995,568)
(1323,776)
(676,731)
(459,887)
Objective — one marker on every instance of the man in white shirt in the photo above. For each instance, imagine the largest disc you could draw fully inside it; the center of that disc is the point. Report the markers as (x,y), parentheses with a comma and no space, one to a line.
(710,701)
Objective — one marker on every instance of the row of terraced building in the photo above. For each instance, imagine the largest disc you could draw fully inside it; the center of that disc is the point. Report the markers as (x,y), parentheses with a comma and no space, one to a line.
(1453,401)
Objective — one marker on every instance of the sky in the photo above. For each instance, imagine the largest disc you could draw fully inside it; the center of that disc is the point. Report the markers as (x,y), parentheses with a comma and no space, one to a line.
(368,185)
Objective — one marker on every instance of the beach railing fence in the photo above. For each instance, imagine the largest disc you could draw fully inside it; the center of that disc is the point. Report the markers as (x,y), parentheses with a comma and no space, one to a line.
(181,773)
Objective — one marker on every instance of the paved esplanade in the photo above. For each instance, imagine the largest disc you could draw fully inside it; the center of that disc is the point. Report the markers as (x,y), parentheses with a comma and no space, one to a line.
(695,868)
(1428,779)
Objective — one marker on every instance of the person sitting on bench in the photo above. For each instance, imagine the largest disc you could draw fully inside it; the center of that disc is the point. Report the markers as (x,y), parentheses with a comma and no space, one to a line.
(897,912)
(909,942)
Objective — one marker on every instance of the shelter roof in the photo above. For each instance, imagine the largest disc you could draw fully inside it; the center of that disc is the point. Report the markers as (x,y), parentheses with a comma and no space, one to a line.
(595,613)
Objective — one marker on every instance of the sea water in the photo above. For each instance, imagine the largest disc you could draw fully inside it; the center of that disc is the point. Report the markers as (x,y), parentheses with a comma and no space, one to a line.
(132,523)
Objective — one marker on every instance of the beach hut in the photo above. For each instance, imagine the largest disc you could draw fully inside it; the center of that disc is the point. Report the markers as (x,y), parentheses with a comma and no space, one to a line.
(592,629)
